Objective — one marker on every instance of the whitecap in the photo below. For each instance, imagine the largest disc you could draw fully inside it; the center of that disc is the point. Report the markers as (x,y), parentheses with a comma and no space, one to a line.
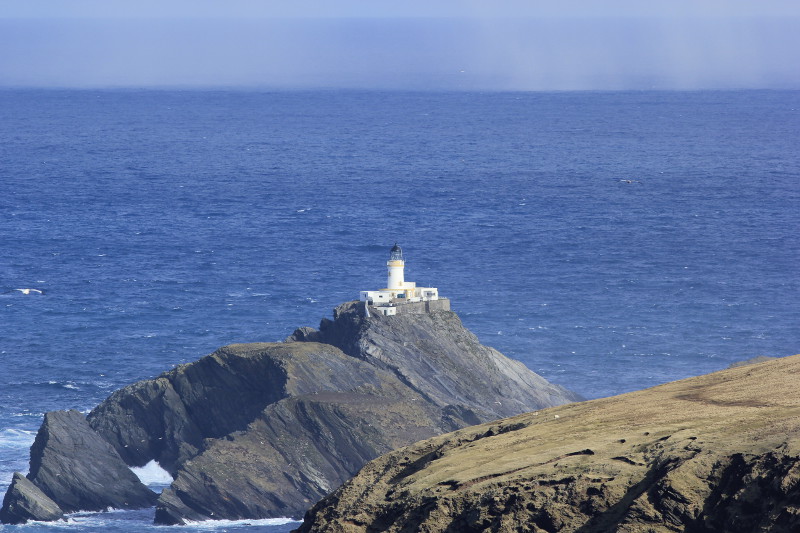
(152,474)
(67,384)
(214,524)
(106,518)
(34,414)
(16,438)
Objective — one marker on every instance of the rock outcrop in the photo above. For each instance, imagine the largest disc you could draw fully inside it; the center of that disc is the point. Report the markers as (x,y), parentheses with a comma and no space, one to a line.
(340,413)
(25,501)
(72,469)
(265,430)
(435,355)
(719,452)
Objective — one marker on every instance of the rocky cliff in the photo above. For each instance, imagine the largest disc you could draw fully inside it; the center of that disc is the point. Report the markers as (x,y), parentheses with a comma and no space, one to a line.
(265,430)
(72,468)
(436,356)
(716,453)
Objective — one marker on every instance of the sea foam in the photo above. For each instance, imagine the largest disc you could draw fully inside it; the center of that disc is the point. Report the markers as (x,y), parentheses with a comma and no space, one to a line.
(152,474)
(214,524)
(16,438)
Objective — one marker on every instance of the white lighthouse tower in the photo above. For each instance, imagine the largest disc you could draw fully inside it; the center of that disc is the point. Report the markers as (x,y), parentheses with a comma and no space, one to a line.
(401,294)
(396,266)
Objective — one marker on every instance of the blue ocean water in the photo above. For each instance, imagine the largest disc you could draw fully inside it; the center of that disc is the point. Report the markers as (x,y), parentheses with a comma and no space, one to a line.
(609,240)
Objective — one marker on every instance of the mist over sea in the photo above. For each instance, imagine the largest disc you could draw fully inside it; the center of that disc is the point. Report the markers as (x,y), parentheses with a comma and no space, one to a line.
(609,240)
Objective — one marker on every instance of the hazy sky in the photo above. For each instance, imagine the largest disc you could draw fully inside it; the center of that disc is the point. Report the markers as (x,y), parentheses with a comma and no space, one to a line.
(433,44)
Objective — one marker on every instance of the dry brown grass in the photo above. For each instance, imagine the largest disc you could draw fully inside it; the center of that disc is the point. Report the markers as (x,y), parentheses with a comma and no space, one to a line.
(645,457)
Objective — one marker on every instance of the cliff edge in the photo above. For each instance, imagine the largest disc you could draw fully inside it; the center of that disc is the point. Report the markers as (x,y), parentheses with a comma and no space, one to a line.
(719,452)
(437,357)
(265,430)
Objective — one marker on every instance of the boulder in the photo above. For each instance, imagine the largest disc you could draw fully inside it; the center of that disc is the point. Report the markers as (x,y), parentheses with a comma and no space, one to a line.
(25,501)
(304,334)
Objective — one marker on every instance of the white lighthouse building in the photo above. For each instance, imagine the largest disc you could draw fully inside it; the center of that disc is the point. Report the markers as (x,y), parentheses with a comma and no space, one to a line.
(398,291)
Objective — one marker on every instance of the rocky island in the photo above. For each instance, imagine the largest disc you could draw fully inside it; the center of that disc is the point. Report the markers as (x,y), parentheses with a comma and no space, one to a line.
(267,429)
(719,452)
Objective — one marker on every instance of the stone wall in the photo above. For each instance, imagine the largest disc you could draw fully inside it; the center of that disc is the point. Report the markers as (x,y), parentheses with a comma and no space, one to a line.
(421,308)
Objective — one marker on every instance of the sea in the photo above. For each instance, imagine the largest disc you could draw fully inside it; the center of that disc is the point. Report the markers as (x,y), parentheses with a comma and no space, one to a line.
(611,241)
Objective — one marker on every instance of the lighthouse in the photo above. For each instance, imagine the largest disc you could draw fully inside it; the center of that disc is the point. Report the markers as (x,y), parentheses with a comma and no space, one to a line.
(396,265)
(401,295)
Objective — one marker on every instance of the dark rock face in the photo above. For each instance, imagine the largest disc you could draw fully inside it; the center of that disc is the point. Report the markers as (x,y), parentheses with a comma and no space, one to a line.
(304,334)
(76,470)
(305,446)
(67,452)
(265,430)
(435,355)
(25,501)
(301,447)
(168,418)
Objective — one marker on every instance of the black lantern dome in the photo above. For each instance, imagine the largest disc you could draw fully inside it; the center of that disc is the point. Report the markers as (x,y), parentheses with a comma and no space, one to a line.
(396,254)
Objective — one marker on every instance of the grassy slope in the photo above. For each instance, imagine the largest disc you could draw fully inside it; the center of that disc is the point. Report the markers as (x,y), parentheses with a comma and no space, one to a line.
(658,457)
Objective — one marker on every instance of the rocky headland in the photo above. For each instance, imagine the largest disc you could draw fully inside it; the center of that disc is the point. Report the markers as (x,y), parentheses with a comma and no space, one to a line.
(267,429)
(719,452)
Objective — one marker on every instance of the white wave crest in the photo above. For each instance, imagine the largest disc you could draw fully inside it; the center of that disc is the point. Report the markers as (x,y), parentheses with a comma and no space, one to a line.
(152,474)
(16,438)
(66,384)
(37,415)
(134,520)
(214,524)
(141,520)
